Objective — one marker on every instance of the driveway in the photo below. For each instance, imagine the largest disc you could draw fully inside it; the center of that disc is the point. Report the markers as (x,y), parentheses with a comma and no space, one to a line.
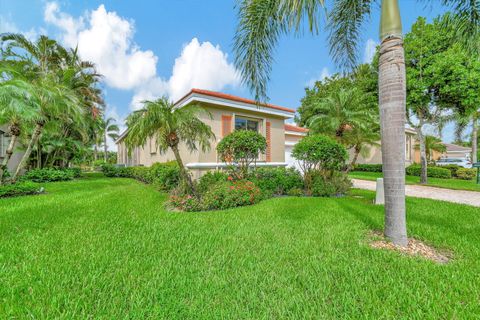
(458,196)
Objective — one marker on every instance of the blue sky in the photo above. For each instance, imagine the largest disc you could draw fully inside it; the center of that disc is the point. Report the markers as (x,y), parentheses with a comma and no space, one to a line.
(149,48)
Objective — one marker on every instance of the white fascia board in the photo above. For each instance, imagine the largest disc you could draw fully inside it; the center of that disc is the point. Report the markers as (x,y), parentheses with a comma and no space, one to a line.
(295,133)
(290,143)
(233,104)
(213,165)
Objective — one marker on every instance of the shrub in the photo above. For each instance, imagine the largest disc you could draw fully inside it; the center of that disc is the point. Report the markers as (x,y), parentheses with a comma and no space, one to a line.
(466,174)
(320,153)
(165,176)
(368,167)
(276,181)
(49,175)
(230,194)
(77,172)
(240,149)
(328,186)
(453,169)
(19,189)
(209,179)
(433,172)
(296,192)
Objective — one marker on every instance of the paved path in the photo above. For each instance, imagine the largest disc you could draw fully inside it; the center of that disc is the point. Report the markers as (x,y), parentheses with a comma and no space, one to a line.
(458,196)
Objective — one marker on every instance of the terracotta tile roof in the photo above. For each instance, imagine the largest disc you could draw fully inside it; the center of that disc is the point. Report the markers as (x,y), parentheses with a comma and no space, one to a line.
(290,127)
(234,98)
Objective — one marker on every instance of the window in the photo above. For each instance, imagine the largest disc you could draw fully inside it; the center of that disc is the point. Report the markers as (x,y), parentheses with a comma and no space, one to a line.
(246,124)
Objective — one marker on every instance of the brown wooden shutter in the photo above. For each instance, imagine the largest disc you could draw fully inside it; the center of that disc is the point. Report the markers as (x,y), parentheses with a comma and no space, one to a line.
(269,144)
(226,124)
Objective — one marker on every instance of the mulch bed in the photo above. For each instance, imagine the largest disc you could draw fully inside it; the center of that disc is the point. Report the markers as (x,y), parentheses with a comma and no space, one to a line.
(415,247)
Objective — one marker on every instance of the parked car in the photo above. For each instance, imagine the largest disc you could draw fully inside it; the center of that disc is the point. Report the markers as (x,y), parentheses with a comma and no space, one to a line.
(461,162)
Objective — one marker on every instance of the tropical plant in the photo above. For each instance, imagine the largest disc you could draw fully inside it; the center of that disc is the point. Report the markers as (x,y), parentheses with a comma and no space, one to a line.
(169,127)
(432,144)
(241,149)
(109,130)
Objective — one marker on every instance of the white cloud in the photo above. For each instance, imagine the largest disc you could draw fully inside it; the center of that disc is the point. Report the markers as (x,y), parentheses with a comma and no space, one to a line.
(106,39)
(201,65)
(325,73)
(370,50)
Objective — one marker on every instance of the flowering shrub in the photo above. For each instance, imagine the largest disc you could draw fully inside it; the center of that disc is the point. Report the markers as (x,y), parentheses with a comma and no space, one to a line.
(231,194)
(276,181)
(466,174)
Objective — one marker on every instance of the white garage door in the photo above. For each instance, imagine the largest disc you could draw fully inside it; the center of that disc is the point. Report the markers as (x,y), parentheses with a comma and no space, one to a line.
(291,161)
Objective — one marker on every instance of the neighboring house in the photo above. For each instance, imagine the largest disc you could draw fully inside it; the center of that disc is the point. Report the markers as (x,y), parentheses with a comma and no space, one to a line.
(293,134)
(4,142)
(375,153)
(228,113)
(453,151)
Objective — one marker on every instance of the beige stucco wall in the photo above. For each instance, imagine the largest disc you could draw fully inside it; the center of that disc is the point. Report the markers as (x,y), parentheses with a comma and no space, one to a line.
(375,154)
(148,155)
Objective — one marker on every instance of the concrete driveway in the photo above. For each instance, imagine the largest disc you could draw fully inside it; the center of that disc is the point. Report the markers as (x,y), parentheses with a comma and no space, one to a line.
(457,196)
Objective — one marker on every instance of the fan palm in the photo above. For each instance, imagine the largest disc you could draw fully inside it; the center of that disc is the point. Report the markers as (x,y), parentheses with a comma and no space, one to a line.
(262,22)
(432,144)
(169,127)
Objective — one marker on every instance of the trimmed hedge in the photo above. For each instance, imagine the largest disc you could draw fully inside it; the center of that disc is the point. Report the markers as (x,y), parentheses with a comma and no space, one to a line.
(276,181)
(466,174)
(432,172)
(368,167)
(19,189)
(165,176)
(51,174)
(453,169)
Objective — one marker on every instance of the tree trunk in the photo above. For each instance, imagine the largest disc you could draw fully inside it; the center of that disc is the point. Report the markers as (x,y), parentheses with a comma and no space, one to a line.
(8,155)
(105,147)
(357,150)
(474,139)
(95,152)
(392,103)
(423,157)
(183,171)
(33,140)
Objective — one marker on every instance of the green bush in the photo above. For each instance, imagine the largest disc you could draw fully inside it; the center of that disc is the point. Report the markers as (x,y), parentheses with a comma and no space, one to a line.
(19,189)
(432,172)
(209,179)
(466,174)
(296,192)
(240,149)
(453,169)
(165,176)
(368,167)
(77,172)
(319,152)
(228,194)
(49,175)
(328,186)
(276,181)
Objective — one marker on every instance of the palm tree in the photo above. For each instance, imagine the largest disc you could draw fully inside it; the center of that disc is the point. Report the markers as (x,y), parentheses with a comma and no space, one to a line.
(361,139)
(432,144)
(340,112)
(109,129)
(169,127)
(262,22)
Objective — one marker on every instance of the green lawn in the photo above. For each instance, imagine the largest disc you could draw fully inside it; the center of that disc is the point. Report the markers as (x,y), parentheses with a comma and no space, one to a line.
(106,248)
(434,182)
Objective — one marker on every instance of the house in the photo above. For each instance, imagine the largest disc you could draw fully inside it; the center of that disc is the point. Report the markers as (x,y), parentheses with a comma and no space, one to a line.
(293,134)
(4,142)
(228,113)
(452,151)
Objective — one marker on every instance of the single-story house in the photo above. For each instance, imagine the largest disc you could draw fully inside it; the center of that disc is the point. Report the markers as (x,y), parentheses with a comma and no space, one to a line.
(228,113)
(4,142)
(452,151)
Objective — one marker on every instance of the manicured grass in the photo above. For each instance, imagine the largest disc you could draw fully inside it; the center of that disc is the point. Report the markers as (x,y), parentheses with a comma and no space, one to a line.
(106,248)
(456,184)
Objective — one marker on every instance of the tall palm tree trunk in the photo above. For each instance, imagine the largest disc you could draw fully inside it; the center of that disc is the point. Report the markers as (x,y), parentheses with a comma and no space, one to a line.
(8,155)
(105,147)
(474,139)
(423,157)
(352,164)
(183,170)
(392,103)
(28,152)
